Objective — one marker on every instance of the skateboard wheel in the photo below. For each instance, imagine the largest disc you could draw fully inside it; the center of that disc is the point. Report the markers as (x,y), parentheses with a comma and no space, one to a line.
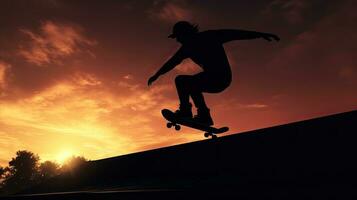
(177,127)
(207,134)
(214,136)
(169,125)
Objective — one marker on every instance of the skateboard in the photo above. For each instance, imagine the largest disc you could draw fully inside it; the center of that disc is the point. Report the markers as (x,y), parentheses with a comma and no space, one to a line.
(176,122)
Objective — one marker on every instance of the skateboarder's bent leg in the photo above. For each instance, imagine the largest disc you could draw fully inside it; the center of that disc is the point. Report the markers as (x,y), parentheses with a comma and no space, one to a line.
(201,82)
(193,85)
(203,113)
(199,100)
(210,83)
(183,84)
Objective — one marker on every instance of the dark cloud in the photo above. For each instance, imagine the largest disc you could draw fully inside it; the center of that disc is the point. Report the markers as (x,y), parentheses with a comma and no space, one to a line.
(171,11)
(317,69)
(291,10)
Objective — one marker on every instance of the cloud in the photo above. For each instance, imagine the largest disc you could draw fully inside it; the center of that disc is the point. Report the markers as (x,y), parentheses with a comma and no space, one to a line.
(53,42)
(316,69)
(86,79)
(81,112)
(4,69)
(170,11)
(291,10)
(235,104)
(188,67)
(326,53)
(256,105)
(7,144)
(128,77)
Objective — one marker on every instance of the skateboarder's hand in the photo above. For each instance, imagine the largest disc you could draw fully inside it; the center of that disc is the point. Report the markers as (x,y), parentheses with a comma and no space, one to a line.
(270,37)
(152,79)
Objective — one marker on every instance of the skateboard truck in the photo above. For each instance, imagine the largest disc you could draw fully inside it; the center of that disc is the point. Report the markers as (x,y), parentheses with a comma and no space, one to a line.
(170,124)
(177,122)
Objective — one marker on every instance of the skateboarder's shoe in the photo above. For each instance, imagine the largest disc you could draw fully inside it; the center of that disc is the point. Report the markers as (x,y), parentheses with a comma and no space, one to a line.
(184,112)
(203,117)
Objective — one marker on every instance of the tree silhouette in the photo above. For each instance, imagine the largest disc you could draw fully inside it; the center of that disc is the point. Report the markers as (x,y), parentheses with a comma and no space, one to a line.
(48,169)
(2,176)
(22,171)
(2,172)
(25,172)
(74,164)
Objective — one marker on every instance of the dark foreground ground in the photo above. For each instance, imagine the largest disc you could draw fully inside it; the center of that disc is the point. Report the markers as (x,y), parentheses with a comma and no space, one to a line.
(315,192)
(312,159)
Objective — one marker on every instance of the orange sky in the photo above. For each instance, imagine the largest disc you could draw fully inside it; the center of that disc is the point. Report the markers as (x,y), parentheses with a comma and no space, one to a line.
(73,73)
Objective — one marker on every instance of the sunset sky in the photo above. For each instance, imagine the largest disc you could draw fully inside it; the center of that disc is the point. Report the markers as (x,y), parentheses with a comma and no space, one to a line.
(73,74)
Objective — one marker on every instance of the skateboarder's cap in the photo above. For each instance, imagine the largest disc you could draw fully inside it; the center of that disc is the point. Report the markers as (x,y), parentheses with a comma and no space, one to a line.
(183,27)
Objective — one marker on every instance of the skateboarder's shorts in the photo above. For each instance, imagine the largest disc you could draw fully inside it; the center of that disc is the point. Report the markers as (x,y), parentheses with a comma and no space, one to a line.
(204,82)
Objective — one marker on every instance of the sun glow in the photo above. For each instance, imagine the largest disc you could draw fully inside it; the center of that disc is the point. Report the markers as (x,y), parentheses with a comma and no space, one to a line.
(63,156)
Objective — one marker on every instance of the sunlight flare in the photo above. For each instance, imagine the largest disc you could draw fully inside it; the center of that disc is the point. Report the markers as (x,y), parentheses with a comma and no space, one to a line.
(64,155)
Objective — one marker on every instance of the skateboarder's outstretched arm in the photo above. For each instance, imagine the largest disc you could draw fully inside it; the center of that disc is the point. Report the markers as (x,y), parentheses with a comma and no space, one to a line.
(169,65)
(226,35)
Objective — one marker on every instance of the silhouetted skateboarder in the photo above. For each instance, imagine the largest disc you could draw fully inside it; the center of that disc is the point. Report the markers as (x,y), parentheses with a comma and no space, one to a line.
(205,49)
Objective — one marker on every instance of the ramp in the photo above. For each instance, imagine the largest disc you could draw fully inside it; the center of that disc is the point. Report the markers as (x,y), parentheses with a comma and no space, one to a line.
(313,156)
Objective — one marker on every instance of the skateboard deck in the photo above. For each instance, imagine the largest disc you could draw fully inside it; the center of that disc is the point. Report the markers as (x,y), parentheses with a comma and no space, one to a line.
(176,122)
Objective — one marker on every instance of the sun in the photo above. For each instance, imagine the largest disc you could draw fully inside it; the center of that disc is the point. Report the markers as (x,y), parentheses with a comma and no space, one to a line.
(63,156)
